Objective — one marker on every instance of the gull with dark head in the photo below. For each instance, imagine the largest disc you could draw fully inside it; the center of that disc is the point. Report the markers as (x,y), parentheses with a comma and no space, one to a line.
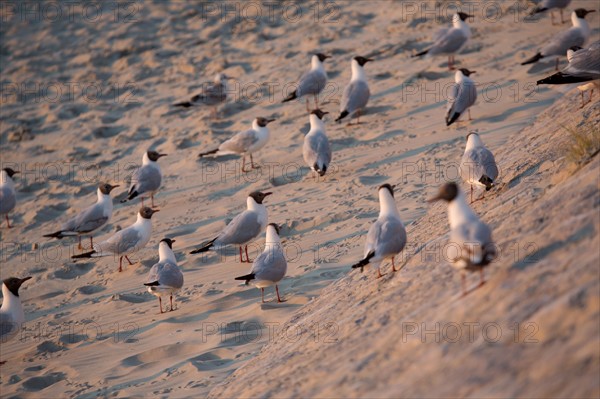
(212,94)
(125,242)
(243,228)
(316,150)
(146,180)
(165,277)
(312,82)
(8,196)
(462,96)
(270,266)
(12,316)
(245,142)
(356,94)
(471,247)
(387,236)
(91,218)
(478,166)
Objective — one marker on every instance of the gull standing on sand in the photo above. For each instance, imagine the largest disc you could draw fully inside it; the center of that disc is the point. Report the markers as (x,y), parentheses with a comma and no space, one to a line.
(462,96)
(450,41)
(246,142)
(243,228)
(387,236)
(584,66)
(316,150)
(211,94)
(312,82)
(147,179)
(470,238)
(8,197)
(91,218)
(558,45)
(270,266)
(478,166)
(12,316)
(356,94)
(546,5)
(165,277)
(127,241)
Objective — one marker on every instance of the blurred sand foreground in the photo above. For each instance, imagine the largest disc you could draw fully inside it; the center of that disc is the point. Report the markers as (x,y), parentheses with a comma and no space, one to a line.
(88,87)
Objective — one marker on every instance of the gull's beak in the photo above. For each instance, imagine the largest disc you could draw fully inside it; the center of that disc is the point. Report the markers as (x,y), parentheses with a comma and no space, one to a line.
(155,210)
(173,240)
(270,120)
(326,56)
(370,59)
(436,198)
(22,280)
(16,171)
(162,155)
(266,194)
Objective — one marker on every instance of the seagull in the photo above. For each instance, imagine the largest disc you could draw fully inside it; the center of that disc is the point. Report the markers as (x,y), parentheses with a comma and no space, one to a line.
(246,142)
(478,166)
(8,198)
(212,94)
(356,94)
(584,66)
(91,218)
(462,96)
(312,82)
(469,236)
(316,150)
(147,178)
(165,278)
(126,241)
(551,5)
(270,266)
(243,228)
(576,35)
(450,40)
(387,236)
(12,316)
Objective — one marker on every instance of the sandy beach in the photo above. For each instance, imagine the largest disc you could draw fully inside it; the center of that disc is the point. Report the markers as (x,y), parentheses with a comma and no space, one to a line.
(87,89)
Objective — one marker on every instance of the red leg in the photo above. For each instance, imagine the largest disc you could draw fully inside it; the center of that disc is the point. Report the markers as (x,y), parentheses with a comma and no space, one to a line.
(469,111)
(481,277)
(152,200)
(120,264)
(142,201)
(130,262)
(277,290)
(7,221)
(393,266)
(463,283)
(79,246)
(171,298)
(379,275)
(471,194)
(307,107)
(262,294)
(91,242)
(247,257)
(241,259)
(160,304)
(244,164)
(316,102)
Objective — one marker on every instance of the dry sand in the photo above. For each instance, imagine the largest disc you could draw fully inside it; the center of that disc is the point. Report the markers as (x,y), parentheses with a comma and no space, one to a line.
(92,331)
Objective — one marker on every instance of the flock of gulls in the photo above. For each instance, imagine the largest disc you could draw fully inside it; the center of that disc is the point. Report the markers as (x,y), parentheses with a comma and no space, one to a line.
(386,237)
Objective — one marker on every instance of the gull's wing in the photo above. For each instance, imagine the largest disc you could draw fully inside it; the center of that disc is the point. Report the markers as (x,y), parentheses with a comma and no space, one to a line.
(561,42)
(7,199)
(147,178)
(355,97)
(478,162)
(167,274)
(316,149)
(474,238)
(585,63)
(270,265)
(461,97)
(450,42)
(90,219)
(386,237)
(7,327)
(243,228)
(239,143)
(122,241)
(311,82)
(211,94)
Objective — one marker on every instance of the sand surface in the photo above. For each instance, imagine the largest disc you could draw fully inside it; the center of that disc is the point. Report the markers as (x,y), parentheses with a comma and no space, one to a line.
(92,331)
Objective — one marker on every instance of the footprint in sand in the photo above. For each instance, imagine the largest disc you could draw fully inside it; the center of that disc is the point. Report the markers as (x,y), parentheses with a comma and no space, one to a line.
(35,384)
(73,270)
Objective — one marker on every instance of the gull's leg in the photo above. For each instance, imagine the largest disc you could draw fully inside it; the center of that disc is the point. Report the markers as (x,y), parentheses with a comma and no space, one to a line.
(247,257)
(379,275)
(316,101)
(552,18)
(262,295)
(91,242)
(152,200)
(79,246)
(463,283)
(393,266)
(130,263)
(481,277)
(142,201)
(241,259)
(121,264)
(556,66)
(160,304)
(7,221)
(277,290)
(471,194)
(562,21)
(469,111)
(307,106)
(171,298)
(252,163)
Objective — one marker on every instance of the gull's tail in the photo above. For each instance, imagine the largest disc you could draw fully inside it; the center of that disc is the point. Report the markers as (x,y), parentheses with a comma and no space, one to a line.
(342,116)
(60,234)
(320,171)
(364,262)
(208,153)
(152,284)
(451,118)
(560,78)
(533,59)
(205,247)
(487,182)
(421,53)
(85,255)
(185,104)
(247,277)
(290,97)
(131,195)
